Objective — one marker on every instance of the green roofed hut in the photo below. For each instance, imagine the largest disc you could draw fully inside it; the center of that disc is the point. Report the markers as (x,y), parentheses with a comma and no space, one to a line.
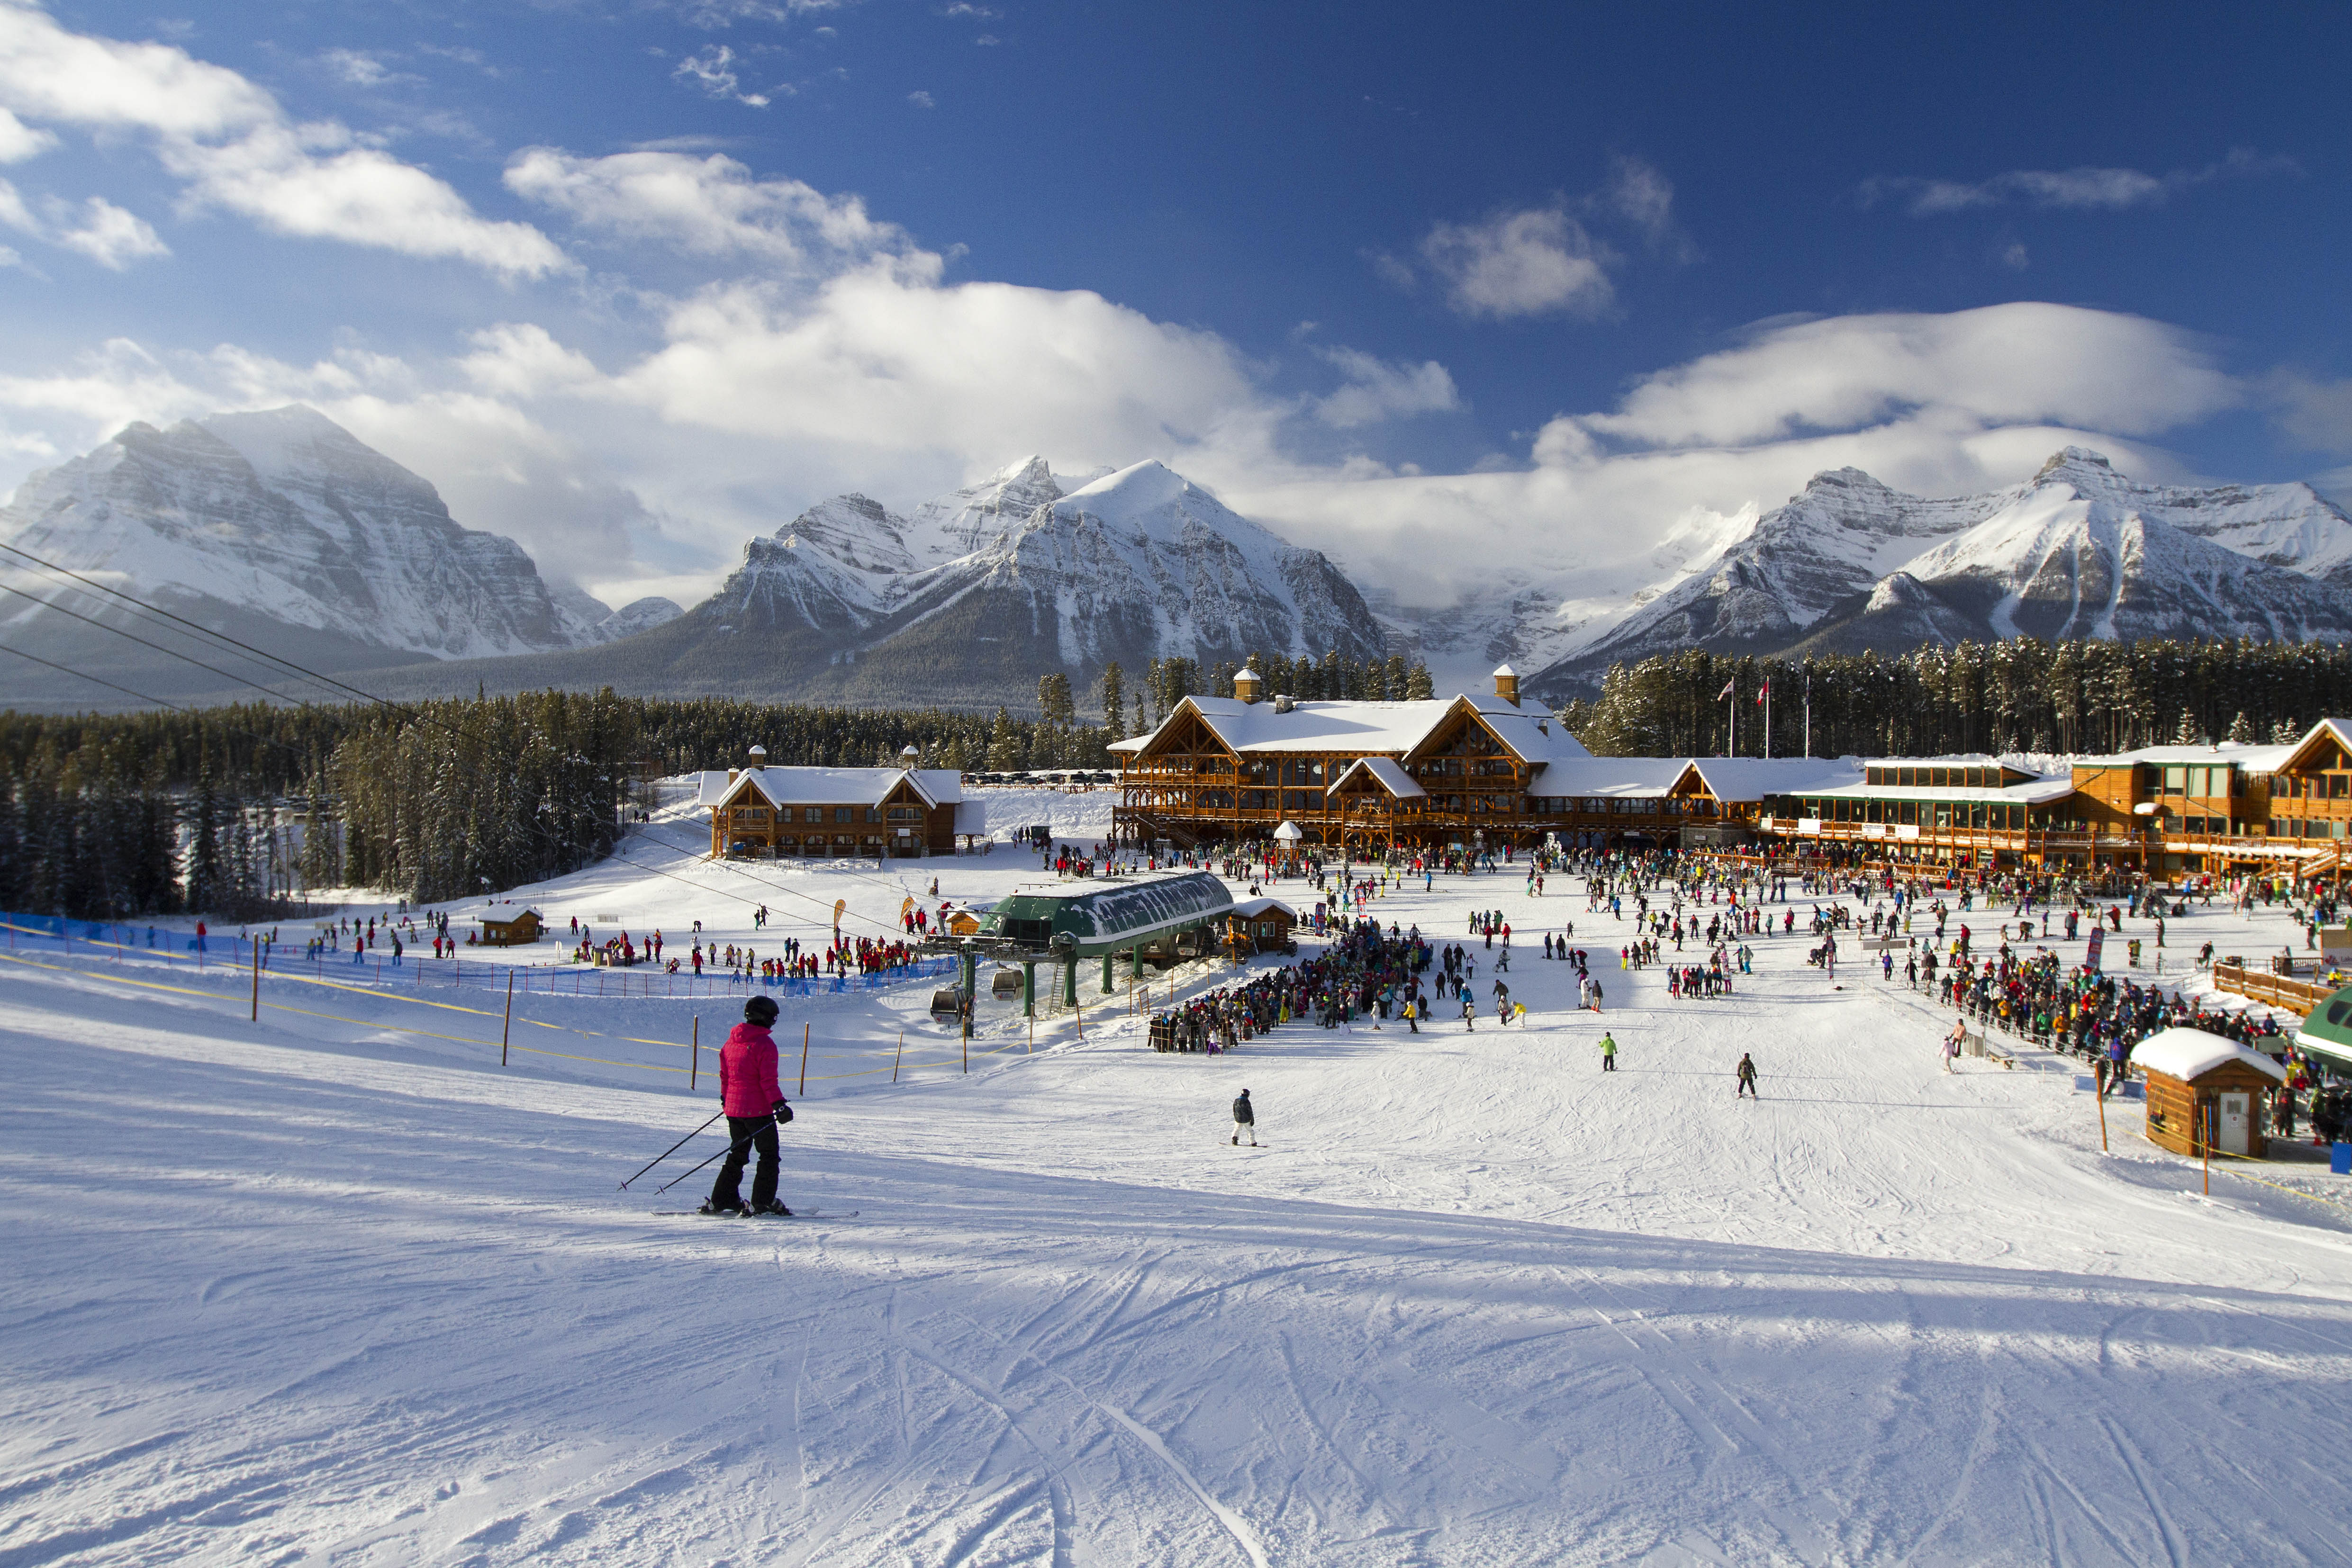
(1161,917)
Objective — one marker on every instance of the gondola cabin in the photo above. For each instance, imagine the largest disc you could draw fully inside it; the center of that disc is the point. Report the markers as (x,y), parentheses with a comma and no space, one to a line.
(517,931)
(2201,1087)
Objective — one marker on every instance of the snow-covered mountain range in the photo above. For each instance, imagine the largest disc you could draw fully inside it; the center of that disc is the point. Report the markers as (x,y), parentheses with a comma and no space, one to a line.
(276,525)
(284,530)
(1015,576)
(2078,550)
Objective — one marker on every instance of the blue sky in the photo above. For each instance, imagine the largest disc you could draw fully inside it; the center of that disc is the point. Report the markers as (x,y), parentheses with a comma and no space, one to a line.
(630,281)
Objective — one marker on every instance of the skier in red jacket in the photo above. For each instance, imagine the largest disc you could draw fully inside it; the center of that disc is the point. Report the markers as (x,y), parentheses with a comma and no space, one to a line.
(754,1103)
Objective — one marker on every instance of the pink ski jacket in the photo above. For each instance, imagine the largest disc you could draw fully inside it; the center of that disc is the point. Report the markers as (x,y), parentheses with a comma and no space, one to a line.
(747,1071)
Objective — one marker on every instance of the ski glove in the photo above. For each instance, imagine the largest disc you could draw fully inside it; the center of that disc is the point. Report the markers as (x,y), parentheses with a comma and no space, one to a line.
(780,1111)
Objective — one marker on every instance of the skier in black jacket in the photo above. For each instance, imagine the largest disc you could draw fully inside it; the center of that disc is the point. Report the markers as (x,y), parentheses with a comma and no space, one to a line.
(1245,1120)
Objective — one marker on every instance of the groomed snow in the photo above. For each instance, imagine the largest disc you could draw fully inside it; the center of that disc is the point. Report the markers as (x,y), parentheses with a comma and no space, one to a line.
(310,1291)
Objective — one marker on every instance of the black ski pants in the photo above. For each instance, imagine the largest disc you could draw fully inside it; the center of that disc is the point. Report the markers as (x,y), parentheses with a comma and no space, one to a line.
(747,1133)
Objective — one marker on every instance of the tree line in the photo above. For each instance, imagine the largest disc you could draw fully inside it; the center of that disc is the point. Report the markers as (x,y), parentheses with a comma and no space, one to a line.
(2022,695)
(229,810)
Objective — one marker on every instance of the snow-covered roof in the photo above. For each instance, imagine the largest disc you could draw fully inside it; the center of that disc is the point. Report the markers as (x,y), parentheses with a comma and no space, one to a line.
(830,786)
(1637,778)
(1534,733)
(2187,1054)
(1391,774)
(2248,758)
(2037,792)
(1251,909)
(2336,729)
(1754,778)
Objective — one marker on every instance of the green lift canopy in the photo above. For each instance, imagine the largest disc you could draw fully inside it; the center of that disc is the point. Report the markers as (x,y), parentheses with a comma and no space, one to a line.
(1108,915)
(2328,1030)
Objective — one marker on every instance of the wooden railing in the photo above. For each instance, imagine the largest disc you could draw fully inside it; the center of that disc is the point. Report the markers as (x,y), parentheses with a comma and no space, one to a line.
(2297,997)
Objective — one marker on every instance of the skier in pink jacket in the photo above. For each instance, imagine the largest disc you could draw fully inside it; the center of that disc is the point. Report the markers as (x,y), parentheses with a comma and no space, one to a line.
(754,1103)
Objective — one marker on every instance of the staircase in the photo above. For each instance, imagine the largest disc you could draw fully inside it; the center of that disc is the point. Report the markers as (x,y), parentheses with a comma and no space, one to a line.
(1135,822)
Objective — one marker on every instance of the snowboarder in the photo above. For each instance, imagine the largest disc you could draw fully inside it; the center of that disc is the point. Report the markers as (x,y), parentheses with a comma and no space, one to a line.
(1608,1053)
(754,1103)
(1245,1120)
(1746,1078)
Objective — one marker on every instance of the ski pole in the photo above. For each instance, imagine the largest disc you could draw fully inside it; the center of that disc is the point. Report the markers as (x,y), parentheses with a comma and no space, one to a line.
(669,1151)
(740,1144)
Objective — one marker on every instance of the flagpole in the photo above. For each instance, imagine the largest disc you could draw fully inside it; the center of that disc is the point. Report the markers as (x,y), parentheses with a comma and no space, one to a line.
(1767,721)
(1809,713)
(1733,751)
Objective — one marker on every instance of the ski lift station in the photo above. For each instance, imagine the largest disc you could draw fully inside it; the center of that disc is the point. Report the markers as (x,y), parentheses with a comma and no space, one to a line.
(1154,917)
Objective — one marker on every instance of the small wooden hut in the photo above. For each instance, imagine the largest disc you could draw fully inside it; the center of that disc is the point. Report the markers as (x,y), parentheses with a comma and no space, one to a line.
(1262,926)
(515,931)
(2202,1086)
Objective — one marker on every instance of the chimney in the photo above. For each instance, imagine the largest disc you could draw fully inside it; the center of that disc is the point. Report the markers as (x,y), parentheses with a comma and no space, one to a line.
(1281,703)
(733,774)
(759,757)
(1246,684)
(1507,684)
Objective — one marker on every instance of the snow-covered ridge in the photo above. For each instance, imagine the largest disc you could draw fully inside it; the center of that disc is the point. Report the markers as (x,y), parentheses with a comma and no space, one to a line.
(1130,565)
(286,515)
(2078,550)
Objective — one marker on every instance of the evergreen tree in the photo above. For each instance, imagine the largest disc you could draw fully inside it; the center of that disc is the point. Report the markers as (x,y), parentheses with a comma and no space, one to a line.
(1114,701)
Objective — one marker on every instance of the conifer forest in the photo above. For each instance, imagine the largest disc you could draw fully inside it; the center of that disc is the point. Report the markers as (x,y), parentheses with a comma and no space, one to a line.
(237,810)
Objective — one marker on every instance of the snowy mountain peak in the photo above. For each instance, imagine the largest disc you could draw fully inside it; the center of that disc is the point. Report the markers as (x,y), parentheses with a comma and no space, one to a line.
(283,519)
(2075,458)
(2078,550)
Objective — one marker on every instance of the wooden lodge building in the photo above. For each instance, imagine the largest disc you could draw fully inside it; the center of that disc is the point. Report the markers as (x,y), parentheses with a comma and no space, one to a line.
(834,814)
(2162,808)
(1466,772)
(1473,772)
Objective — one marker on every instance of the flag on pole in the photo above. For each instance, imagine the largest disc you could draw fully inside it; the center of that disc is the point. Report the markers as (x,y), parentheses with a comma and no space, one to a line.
(1724,693)
(1764,693)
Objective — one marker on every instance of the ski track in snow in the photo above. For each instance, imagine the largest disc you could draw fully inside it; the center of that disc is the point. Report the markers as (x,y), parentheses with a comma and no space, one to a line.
(304,1292)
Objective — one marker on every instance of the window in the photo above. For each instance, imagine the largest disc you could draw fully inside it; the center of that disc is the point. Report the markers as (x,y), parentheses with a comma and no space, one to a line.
(1910,811)
(2176,779)
(1907,778)
(813,814)
(1940,777)
(872,813)
(841,814)
(1874,775)
(905,813)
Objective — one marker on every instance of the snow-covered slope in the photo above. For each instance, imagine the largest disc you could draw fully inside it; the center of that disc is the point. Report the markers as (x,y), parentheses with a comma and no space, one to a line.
(286,516)
(2079,550)
(369,1296)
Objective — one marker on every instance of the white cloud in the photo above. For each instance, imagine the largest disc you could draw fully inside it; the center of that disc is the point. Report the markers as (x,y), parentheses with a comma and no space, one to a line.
(2316,414)
(110,236)
(20,140)
(706,206)
(358,68)
(1374,390)
(921,99)
(2003,364)
(2083,188)
(1639,194)
(713,70)
(1520,263)
(96,228)
(236,148)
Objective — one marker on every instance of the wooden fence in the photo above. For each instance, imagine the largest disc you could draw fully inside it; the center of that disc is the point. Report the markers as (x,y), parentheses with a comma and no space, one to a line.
(2297,997)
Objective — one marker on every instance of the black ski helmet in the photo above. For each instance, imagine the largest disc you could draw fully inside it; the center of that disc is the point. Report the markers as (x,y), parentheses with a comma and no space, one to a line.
(761,1010)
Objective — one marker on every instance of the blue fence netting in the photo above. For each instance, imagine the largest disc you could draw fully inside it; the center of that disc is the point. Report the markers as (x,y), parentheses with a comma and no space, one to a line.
(176,948)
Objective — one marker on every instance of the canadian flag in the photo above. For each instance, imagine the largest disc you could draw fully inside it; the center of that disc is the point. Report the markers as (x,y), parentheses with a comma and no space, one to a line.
(1764,693)
(1725,692)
